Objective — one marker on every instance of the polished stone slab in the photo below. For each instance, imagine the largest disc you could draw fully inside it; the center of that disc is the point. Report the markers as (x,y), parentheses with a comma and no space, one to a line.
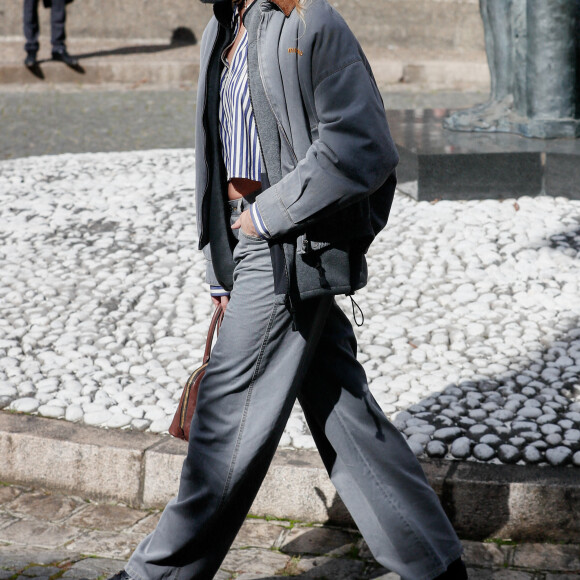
(440,164)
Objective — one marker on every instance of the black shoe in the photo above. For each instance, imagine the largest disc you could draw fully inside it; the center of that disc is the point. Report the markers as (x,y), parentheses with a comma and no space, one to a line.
(62,55)
(455,571)
(122,575)
(30,59)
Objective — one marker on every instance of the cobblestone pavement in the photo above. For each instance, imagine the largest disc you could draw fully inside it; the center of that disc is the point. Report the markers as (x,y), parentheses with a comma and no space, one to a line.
(85,120)
(48,536)
(471,342)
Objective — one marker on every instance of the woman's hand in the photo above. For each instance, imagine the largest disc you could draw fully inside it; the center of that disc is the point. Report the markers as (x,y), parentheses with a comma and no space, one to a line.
(223,300)
(246,224)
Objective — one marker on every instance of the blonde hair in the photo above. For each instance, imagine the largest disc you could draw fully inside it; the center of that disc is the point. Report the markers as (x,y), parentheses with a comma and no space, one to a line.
(300,9)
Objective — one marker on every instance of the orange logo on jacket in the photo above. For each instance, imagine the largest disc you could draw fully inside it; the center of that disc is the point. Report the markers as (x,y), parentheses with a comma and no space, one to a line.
(295,51)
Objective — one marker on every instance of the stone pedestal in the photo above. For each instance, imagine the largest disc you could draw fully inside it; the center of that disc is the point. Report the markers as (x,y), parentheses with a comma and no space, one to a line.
(440,164)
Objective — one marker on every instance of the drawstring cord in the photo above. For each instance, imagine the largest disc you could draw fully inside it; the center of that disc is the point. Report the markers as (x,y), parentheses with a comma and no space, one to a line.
(354,315)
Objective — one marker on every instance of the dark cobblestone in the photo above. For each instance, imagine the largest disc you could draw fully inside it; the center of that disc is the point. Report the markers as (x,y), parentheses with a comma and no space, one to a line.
(263,550)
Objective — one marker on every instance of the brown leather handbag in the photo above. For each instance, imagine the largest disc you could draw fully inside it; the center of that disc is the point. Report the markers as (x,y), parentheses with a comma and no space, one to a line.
(182,421)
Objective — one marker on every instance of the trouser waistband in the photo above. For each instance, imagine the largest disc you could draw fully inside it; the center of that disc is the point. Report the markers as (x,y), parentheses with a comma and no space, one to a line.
(243,203)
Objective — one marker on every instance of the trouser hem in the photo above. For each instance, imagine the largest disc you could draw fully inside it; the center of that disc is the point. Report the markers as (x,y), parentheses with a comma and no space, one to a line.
(444,565)
(133,575)
(173,575)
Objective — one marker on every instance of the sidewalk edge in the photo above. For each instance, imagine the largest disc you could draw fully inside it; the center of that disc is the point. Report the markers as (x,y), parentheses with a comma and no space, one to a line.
(521,503)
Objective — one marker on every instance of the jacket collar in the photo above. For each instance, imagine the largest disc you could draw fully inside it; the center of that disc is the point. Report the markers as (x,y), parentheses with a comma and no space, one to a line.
(223,10)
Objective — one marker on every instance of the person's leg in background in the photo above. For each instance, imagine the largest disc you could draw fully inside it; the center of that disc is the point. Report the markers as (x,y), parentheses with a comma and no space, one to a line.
(57,25)
(58,33)
(375,472)
(31,30)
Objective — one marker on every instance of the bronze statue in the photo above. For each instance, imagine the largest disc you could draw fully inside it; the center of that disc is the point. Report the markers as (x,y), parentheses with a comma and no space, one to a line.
(533,51)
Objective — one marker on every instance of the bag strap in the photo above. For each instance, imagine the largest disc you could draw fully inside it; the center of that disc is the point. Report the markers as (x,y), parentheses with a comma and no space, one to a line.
(216,322)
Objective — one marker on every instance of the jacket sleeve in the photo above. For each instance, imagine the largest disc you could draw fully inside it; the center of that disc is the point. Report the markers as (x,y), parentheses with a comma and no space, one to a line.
(352,157)
(210,276)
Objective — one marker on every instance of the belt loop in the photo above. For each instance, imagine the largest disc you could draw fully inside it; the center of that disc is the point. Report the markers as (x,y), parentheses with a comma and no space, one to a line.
(241,203)
(236,205)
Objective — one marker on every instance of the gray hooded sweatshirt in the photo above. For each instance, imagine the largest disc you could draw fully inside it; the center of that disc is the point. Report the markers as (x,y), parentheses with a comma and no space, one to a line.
(328,156)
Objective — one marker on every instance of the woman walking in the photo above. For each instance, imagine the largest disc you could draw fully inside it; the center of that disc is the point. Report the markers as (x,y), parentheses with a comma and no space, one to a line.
(295,177)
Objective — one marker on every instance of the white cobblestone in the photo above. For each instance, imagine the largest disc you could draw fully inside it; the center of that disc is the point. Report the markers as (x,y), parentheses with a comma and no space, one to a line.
(104,308)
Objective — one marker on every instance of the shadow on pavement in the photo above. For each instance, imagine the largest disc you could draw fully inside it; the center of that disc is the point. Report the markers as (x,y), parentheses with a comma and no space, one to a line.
(77,68)
(37,71)
(141,49)
(181,37)
(567,242)
(529,414)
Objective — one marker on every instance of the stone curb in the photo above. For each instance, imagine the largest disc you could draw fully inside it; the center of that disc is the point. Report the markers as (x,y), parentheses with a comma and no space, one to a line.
(513,561)
(150,73)
(520,503)
(108,61)
(103,61)
(433,75)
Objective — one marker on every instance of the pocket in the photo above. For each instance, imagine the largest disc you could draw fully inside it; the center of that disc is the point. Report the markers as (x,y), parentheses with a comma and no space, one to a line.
(234,215)
(250,237)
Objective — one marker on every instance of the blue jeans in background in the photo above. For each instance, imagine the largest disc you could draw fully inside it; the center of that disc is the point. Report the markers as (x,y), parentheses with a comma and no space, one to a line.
(32,28)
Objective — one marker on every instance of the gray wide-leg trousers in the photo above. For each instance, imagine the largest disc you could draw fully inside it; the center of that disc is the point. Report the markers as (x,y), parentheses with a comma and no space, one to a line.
(259,366)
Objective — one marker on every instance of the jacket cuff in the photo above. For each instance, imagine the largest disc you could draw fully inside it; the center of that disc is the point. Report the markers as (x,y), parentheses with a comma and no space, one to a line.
(210,276)
(273,213)
(217,291)
(259,224)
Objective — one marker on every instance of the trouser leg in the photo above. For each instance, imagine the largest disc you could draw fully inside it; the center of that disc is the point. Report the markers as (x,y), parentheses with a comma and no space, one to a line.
(375,472)
(244,402)
(31,27)
(57,24)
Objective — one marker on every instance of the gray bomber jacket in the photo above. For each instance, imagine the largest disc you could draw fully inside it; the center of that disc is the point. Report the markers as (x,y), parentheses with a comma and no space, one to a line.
(327,153)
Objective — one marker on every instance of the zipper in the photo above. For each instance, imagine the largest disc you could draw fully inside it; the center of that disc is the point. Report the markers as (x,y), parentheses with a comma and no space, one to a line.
(278,122)
(286,273)
(227,48)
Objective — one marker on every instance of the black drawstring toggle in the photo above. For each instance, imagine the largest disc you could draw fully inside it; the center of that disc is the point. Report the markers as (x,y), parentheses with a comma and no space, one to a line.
(354,314)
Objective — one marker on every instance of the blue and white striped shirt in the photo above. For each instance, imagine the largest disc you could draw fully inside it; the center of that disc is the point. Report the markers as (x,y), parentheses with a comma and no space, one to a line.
(238,132)
(240,144)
